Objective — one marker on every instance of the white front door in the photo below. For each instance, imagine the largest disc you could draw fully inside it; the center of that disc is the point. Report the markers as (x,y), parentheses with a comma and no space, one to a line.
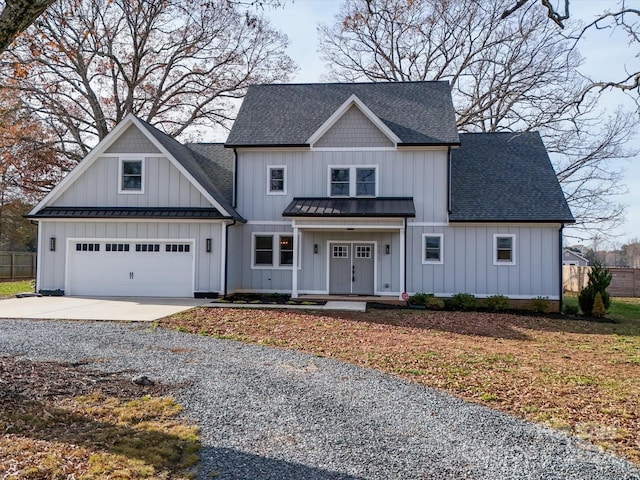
(135,268)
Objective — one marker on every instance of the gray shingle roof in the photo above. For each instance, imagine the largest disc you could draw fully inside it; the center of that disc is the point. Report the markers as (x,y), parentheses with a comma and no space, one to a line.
(193,163)
(217,162)
(350,207)
(505,177)
(419,113)
(128,212)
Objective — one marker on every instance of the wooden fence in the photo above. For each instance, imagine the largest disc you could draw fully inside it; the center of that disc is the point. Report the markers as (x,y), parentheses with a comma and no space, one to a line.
(625,282)
(17,265)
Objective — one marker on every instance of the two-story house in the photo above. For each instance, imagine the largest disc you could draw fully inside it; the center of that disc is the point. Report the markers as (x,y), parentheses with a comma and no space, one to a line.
(331,189)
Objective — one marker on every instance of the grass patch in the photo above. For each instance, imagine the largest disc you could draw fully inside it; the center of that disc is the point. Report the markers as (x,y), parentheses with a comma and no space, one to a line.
(54,426)
(8,289)
(550,370)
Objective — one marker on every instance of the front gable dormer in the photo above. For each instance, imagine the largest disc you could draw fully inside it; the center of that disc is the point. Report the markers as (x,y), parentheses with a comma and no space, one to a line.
(136,170)
(353,126)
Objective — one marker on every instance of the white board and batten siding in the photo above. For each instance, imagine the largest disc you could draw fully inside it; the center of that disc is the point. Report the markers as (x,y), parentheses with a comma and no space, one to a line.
(135,273)
(418,174)
(468,262)
(163,184)
(57,268)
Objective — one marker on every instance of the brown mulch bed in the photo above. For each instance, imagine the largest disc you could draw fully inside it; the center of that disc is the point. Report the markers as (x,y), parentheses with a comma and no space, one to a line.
(579,376)
(40,381)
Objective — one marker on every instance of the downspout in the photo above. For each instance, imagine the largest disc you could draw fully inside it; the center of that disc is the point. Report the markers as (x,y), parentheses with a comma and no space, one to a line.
(561,269)
(405,254)
(449,179)
(234,203)
(226,257)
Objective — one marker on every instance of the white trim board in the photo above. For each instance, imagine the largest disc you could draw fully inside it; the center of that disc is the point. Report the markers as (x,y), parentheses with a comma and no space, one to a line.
(353,100)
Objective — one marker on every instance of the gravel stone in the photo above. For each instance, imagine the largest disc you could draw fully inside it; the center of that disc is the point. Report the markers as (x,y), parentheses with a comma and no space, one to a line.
(278,415)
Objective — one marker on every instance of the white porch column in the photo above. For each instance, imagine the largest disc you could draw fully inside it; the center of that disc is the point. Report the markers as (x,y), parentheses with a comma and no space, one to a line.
(402,262)
(294,274)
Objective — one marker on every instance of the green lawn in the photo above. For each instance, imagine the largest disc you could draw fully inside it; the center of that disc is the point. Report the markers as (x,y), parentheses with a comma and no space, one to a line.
(622,308)
(8,289)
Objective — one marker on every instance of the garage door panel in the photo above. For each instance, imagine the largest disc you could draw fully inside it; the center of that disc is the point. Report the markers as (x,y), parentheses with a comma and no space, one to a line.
(146,269)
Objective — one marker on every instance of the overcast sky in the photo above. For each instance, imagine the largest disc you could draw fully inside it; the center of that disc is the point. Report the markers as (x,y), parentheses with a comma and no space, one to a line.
(605,54)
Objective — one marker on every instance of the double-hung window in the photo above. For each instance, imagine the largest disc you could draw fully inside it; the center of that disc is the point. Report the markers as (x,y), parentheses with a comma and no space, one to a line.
(277,180)
(131,176)
(504,249)
(352,181)
(272,250)
(432,248)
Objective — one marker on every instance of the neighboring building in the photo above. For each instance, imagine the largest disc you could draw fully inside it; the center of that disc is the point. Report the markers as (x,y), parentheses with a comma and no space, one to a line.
(569,257)
(346,189)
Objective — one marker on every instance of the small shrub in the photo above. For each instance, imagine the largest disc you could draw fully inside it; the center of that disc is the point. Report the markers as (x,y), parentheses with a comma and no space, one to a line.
(434,303)
(497,303)
(570,309)
(461,301)
(599,280)
(419,298)
(598,306)
(540,304)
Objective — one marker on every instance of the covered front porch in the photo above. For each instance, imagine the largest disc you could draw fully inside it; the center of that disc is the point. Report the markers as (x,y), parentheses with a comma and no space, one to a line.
(349,247)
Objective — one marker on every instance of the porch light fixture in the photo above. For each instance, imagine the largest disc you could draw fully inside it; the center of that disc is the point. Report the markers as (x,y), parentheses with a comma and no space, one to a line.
(315,248)
(207,246)
(388,248)
(52,244)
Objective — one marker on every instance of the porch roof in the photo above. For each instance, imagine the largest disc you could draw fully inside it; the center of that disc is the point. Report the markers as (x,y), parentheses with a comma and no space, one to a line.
(351,207)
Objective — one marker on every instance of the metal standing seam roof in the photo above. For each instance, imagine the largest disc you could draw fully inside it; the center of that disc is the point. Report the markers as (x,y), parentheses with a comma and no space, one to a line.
(351,207)
(129,212)
(419,113)
(505,177)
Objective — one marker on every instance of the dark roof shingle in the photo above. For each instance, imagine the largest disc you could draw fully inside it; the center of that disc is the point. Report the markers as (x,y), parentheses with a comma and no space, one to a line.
(193,162)
(505,177)
(419,113)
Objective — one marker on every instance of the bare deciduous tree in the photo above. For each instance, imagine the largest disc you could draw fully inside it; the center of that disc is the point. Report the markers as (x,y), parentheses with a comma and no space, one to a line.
(616,15)
(85,64)
(508,74)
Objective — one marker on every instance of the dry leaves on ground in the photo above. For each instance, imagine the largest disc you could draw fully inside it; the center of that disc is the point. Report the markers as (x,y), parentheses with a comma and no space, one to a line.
(579,376)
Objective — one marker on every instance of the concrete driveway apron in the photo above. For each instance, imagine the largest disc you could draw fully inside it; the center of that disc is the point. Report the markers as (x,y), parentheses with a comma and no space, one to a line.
(140,309)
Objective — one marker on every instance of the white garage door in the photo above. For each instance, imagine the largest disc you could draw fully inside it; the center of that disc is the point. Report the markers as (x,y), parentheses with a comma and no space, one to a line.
(131,268)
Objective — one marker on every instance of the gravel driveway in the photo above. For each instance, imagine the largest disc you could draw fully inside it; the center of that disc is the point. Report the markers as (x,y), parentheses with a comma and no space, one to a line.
(275,414)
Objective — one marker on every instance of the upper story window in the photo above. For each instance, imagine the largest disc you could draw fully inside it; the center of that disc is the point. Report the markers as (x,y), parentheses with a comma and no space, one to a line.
(131,176)
(276,180)
(504,249)
(353,181)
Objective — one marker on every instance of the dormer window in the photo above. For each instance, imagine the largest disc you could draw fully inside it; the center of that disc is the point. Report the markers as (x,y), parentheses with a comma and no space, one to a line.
(131,173)
(352,181)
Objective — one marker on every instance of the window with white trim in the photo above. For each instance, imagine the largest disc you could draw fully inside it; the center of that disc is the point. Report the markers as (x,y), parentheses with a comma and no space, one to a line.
(131,175)
(353,181)
(363,251)
(273,250)
(276,180)
(432,248)
(263,251)
(504,249)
